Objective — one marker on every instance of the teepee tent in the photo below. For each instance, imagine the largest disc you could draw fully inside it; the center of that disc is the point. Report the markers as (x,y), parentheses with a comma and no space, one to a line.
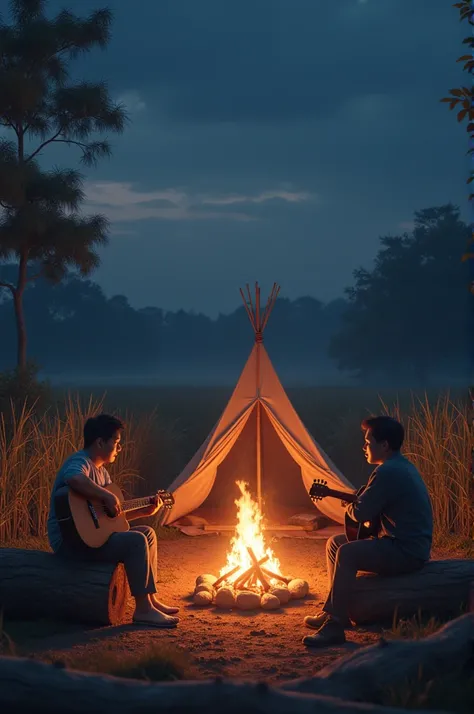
(259,439)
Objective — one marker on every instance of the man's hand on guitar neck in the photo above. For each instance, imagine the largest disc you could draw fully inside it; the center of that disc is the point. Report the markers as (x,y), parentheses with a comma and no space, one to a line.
(155,504)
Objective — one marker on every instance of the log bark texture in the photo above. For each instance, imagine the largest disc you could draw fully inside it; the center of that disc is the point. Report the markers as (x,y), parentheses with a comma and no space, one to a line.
(35,584)
(27,685)
(440,588)
(367,672)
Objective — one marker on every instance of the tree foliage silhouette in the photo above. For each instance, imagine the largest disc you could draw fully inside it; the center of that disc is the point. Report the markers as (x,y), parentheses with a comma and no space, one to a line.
(409,315)
(462,99)
(40,222)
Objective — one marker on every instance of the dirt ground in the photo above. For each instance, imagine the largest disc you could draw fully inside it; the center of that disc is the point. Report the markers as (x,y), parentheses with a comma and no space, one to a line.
(244,645)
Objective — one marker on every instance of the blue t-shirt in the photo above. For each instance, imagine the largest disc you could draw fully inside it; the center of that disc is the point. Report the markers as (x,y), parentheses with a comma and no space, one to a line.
(78,463)
(398,495)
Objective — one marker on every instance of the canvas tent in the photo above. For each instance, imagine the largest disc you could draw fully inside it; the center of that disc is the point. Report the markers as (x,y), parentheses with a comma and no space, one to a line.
(260,439)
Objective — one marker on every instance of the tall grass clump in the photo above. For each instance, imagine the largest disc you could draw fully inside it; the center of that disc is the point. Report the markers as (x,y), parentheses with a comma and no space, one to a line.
(33,446)
(438,441)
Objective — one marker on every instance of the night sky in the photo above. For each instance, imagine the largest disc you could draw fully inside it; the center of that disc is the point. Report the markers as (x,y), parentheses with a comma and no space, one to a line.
(270,140)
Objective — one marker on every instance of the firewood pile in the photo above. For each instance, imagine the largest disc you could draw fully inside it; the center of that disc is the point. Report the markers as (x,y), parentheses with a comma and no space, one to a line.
(256,587)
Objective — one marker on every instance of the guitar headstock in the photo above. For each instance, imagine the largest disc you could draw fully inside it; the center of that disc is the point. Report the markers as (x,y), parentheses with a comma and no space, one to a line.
(319,489)
(167,498)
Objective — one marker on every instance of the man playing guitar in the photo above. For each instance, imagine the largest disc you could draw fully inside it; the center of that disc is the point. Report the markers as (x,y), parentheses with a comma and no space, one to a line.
(396,497)
(84,473)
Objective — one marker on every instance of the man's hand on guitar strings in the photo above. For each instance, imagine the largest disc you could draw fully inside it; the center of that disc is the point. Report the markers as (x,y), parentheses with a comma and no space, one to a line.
(112,504)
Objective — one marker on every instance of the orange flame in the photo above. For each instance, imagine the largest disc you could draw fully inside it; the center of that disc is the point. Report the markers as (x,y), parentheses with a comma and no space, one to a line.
(248,532)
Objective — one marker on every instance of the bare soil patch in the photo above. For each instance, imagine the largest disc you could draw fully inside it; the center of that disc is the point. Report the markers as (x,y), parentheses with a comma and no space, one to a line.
(244,645)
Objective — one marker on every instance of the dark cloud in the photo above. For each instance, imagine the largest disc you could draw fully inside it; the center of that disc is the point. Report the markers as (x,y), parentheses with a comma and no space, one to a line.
(337,99)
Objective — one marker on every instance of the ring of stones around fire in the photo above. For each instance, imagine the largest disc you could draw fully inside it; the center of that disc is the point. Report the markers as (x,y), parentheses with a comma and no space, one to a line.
(250,590)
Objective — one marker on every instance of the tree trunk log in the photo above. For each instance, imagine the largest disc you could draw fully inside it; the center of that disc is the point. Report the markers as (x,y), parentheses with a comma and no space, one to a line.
(366,673)
(440,588)
(34,584)
(27,685)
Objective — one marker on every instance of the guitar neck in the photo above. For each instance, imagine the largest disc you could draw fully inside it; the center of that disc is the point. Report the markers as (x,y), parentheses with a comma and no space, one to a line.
(135,503)
(343,495)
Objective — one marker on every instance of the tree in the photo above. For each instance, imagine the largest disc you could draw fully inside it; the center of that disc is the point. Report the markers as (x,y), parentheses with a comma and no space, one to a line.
(40,223)
(409,315)
(464,96)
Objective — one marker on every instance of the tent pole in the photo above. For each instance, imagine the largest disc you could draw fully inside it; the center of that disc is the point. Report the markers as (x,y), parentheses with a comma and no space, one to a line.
(258,340)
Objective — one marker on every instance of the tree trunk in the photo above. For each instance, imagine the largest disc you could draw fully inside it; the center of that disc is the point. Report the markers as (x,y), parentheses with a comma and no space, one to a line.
(19,310)
(26,685)
(34,584)
(370,671)
(440,588)
(20,330)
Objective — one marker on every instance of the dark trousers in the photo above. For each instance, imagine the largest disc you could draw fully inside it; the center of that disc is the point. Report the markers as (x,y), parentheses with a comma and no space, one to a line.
(344,559)
(137,549)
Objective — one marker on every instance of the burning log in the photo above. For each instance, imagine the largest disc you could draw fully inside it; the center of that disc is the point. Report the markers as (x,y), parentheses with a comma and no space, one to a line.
(248,548)
(226,576)
(245,576)
(258,570)
(275,576)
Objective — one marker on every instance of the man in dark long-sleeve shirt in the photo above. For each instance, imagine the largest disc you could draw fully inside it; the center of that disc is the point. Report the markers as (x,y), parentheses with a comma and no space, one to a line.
(397,496)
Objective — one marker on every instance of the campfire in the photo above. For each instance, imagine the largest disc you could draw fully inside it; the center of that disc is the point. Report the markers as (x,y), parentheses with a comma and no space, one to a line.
(252,575)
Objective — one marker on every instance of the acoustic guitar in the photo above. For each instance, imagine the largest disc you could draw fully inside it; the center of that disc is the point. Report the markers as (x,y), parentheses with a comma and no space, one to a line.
(83,522)
(353,529)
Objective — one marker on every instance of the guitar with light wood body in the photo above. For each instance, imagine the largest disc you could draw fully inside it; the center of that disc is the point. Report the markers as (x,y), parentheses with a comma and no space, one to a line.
(84,522)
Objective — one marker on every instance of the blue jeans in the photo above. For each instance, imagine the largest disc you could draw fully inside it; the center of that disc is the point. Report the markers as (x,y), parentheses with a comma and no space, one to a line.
(137,549)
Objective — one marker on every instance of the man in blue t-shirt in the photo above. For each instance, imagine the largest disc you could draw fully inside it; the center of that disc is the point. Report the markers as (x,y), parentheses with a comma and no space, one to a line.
(397,497)
(85,473)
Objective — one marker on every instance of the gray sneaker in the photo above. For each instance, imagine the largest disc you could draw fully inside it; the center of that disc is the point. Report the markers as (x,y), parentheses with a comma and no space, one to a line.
(316,621)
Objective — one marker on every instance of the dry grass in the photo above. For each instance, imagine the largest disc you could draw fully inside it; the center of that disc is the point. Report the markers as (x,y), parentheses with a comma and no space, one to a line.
(438,441)
(451,692)
(158,444)
(155,662)
(32,449)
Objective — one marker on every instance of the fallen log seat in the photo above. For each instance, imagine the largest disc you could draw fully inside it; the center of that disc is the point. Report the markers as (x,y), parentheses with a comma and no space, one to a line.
(442,587)
(35,584)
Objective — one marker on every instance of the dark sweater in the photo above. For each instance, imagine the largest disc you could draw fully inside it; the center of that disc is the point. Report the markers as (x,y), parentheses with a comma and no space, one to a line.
(397,493)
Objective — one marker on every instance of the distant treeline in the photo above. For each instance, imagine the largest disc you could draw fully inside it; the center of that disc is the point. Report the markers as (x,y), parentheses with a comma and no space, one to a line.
(408,318)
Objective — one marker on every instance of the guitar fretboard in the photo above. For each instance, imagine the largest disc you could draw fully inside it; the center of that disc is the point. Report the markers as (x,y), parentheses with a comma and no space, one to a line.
(135,503)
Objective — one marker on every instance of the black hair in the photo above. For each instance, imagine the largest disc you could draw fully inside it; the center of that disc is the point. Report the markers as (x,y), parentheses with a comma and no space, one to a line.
(385,428)
(103,426)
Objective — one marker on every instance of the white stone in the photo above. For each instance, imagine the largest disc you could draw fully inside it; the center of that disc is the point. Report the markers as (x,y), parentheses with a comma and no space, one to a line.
(225,598)
(203,598)
(282,593)
(247,601)
(298,588)
(206,578)
(269,602)
(205,587)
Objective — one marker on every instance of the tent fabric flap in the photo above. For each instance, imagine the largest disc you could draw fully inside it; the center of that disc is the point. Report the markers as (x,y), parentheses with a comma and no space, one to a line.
(194,484)
(304,459)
